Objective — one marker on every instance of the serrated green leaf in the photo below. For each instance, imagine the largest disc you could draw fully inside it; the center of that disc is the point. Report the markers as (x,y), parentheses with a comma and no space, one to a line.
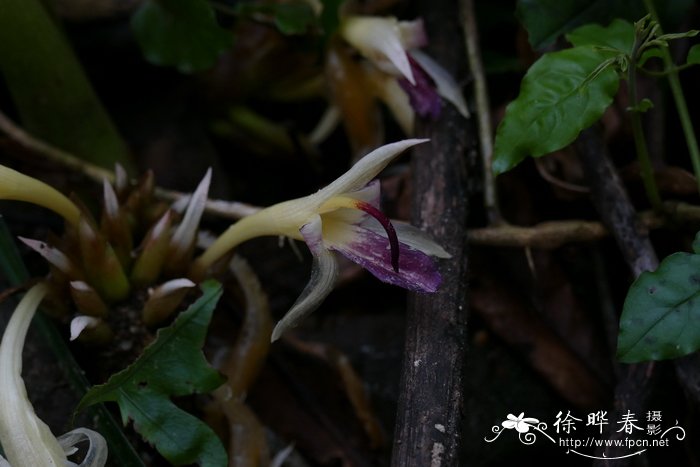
(180,33)
(661,312)
(693,55)
(172,365)
(546,20)
(561,94)
(619,35)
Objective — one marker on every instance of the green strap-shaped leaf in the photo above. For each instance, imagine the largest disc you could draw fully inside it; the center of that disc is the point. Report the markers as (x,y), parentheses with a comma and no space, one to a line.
(180,33)
(47,84)
(661,315)
(561,94)
(173,365)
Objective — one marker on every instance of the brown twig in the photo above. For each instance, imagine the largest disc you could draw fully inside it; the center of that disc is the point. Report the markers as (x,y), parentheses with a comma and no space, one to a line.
(636,381)
(554,234)
(483,108)
(547,235)
(430,401)
(226,209)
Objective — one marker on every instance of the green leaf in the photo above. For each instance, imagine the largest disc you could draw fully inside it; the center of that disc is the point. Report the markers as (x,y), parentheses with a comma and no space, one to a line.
(294,18)
(652,52)
(546,20)
(693,55)
(180,33)
(642,106)
(173,365)
(330,16)
(289,18)
(619,35)
(51,93)
(678,35)
(561,94)
(662,310)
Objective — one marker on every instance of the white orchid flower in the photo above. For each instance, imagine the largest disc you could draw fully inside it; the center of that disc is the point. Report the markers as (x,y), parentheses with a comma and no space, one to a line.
(26,440)
(342,217)
(392,46)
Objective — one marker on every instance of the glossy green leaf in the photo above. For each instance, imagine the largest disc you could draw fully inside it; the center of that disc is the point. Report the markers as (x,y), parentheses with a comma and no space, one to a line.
(180,33)
(561,94)
(173,365)
(546,20)
(661,312)
(619,35)
(693,55)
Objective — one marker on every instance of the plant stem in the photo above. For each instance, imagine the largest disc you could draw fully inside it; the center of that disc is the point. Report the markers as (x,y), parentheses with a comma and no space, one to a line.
(483,108)
(679,98)
(639,140)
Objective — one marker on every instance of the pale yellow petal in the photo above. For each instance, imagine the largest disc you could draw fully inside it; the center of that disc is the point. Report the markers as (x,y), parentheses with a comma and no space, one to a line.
(25,439)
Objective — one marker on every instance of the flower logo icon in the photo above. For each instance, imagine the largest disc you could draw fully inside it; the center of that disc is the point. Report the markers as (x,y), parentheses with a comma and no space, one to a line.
(520,423)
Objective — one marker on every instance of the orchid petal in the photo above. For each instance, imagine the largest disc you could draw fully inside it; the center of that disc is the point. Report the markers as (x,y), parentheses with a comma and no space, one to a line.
(323,276)
(387,89)
(4,463)
(281,457)
(445,84)
(25,439)
(379,40)
(19,187)
(121,179)
(164,300)
(96,455)
(413,34)
(326,125)
(411,236)
(80,323)
(110,199)
(417,271)
(422,95)
(365,169)
(185,233)
(343,216)
(53,255)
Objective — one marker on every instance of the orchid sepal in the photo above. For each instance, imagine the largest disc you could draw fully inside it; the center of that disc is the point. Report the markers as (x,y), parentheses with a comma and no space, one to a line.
(25,438)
